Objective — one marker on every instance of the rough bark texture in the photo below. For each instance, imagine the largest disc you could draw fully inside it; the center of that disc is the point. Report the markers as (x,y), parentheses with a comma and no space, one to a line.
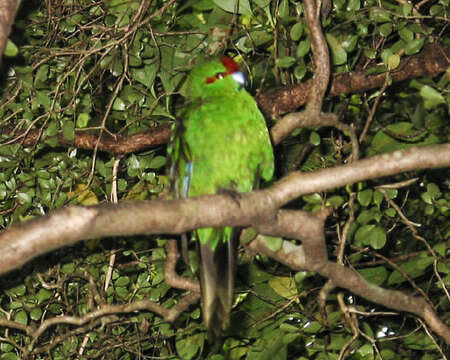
(431,61)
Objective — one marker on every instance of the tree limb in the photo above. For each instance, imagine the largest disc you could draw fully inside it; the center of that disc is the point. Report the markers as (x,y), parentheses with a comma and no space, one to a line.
(21,243)
(312,256)
(431,61)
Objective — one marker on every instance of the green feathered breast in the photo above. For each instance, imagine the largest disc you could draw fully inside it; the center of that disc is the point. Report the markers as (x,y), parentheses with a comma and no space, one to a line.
(221,143)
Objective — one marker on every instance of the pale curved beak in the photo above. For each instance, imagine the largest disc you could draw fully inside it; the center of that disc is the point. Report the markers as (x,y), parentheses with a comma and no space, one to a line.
(239,77)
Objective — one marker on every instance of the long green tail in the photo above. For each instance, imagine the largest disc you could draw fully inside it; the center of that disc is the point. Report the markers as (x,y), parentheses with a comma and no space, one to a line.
(217,270)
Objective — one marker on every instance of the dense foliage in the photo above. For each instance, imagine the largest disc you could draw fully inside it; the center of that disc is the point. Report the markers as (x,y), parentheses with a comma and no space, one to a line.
(116,67)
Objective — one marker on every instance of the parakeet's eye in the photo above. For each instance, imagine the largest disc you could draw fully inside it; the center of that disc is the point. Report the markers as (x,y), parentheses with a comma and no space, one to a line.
(218,76)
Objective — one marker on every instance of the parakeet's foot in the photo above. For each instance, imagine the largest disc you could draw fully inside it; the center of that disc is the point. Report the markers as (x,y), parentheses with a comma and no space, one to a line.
(234,195)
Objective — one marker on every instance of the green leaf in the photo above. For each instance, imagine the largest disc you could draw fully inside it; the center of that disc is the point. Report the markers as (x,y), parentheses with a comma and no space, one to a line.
(21,317)
(43,295)
(5,347)
(288,328)
(297,31)
(392,193)
(68,130)
(437,10)
(353,5)
(408,137)
(314,138)
(407,9)
(335,201)
(414,46)
(9,356)
(365,197)
(339,55)
(368,215)
(385,29)
(393,61)
(388,354)
(122,281)
(433,190)
(122,292)
(414,268)
(300,276)
(376,275)
(230,6)
(432,98)
(189,346)
(41,73)
(36,314)
(300,72)
(11,50)
(273,243)
(43,99)
(372,235)
(119,104)
(312,327)
(19,290)
(284,286)
(303,48)
(377,198)
(52,129)
(440,248)
(390,212)
(315,198)
(283,10)
(145,76)
(269,347)
(406,34)
(379,15)
(419,342)
(286,62)
(350,42)
(83,120)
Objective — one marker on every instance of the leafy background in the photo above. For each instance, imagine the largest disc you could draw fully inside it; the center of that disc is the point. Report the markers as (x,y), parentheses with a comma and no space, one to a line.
(117,67)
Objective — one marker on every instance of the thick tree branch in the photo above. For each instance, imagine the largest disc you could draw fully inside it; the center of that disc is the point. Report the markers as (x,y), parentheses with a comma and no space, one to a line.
(321,57)
(23,242)
(294,257)
(431,61)
(116,145)
(312,256)
(297,183)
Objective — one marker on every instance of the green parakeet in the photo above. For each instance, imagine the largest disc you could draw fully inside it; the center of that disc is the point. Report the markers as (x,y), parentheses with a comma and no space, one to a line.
(220,144)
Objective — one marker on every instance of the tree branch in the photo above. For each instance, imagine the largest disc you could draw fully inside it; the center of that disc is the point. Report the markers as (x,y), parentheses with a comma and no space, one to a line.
(63,227)
(312,256)
(431,61)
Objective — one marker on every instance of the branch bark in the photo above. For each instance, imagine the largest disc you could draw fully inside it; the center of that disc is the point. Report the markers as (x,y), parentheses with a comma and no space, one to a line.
(431,61)
(295,258)
(63,227)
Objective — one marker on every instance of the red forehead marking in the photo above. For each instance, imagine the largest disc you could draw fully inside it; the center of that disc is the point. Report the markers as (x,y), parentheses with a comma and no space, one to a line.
(229,64)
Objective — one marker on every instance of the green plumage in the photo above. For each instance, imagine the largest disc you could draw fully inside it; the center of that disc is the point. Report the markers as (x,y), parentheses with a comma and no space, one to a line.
(222,143)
